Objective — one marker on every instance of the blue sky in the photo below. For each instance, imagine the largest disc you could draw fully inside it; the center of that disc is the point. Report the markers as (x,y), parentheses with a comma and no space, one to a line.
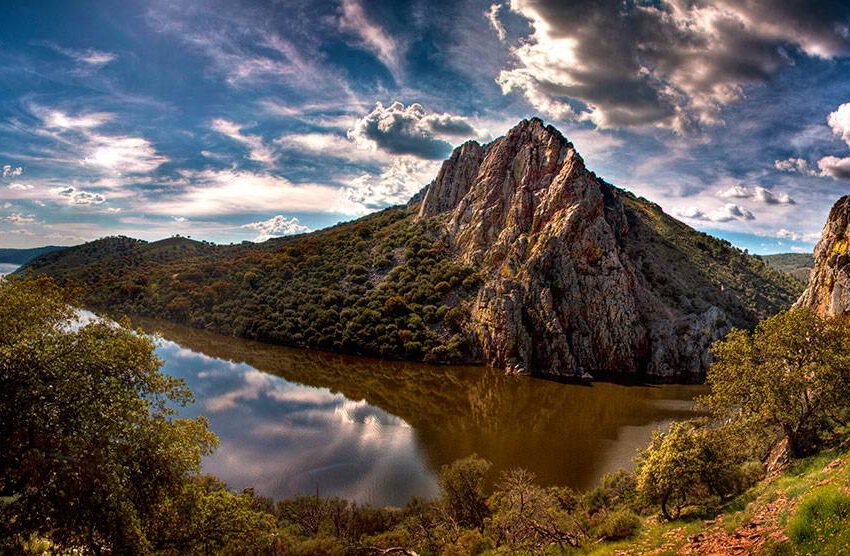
(241,120)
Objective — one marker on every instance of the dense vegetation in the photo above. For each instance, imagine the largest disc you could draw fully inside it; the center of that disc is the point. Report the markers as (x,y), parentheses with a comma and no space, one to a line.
(23,256)
(95,461)
(386,285)
(693,271)
(383,285)
(91,454)
(797,265)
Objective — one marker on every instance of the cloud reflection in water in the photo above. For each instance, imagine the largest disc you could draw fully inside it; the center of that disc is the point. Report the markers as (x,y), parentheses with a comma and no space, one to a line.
(285,439)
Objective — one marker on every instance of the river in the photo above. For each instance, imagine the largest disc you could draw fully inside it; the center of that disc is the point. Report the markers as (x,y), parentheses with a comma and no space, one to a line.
(294,421)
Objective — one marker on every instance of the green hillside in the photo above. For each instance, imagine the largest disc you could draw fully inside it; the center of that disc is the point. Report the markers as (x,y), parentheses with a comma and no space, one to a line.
(386,284)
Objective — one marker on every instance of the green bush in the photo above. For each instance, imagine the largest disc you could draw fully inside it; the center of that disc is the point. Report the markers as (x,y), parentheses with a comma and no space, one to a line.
(620,524)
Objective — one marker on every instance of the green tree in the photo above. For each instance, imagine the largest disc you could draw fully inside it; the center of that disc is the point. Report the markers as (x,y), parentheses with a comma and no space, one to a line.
(463,491)
(686,465)
(791,375)
(91,452)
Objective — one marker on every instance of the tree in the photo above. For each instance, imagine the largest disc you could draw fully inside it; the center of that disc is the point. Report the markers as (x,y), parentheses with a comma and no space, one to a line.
(529,518)
(684,466)
(789,376)
(91,452)
(463,496)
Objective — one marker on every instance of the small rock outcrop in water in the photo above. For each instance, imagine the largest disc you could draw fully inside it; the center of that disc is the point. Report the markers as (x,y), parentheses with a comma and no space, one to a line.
(828,290)
(561,290)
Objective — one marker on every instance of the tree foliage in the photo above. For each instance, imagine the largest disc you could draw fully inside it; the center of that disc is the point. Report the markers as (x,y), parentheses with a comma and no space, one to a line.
(790,376)
(686,465)
(92,456)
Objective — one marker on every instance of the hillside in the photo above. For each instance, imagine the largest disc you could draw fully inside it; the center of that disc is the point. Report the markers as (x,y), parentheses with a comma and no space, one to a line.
(516,256)
(23,256)
(797,265)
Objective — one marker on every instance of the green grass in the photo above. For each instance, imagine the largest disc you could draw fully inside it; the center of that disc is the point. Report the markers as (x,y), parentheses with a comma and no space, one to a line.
(822,522)
(816,520)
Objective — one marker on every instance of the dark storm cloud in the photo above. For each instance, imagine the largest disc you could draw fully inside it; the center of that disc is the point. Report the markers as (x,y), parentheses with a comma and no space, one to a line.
(673,63)
(410,130)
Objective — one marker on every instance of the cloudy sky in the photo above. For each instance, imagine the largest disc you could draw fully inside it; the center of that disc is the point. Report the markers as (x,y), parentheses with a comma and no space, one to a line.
(237,120)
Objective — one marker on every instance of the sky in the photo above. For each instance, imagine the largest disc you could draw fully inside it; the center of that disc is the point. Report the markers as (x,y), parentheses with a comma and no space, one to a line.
(234,120)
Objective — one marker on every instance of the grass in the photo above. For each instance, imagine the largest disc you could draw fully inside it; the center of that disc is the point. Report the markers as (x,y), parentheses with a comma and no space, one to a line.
(822,522)
(816,519)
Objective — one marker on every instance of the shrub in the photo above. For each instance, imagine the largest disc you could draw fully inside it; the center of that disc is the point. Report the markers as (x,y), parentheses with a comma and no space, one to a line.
(620,524)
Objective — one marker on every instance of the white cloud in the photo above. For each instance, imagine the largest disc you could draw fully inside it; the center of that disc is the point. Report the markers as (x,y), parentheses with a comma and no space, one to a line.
(726,213)
(493,17)
(19,219)
(122,154)
(12,172)
(835,167)
(116,154)
(331,144)
(276,226)
(79,198)
(756,193)
(89,56)
(785,233)
(232,191)
(20,186)
(395,185)
(257,150)
(56,119)
(795,165)
(839,121)
(371,36)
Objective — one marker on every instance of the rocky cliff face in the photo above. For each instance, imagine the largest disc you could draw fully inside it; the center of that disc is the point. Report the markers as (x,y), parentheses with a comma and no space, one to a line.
(564,289)
(516,255)
(828,289)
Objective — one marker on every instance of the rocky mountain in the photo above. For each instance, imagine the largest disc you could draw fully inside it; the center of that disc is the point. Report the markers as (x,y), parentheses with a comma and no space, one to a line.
(828,289)
(516,256)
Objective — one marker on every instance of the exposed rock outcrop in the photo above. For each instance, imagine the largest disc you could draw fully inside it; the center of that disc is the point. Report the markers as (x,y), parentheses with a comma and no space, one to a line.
(516,255)
(562,293)
(828,290)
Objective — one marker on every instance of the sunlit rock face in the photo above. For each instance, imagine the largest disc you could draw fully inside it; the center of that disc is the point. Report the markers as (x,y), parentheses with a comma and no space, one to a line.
(828,290)
(561,292)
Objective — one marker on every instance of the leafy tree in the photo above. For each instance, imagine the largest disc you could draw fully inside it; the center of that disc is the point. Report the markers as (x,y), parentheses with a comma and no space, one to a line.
(684,466)
(463,491)
(91,454)
(791,375)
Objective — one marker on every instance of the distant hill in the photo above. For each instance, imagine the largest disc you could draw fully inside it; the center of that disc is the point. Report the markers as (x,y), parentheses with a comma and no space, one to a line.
(23,256)
(797,265)
(515,256)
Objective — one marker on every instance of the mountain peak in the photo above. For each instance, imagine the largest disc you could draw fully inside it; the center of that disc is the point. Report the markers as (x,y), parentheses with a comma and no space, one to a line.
(529,155)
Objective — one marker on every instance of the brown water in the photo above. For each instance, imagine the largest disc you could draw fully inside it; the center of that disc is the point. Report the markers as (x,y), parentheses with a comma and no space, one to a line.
(295,421)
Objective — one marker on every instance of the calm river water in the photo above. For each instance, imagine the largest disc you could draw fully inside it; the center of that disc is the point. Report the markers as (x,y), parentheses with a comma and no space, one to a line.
(295,421)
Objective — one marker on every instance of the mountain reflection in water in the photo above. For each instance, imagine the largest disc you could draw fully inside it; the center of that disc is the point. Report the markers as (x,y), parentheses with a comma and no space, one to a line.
(295,421)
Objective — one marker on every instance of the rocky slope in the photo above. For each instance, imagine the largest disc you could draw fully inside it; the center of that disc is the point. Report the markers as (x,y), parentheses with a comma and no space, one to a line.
(564,286)
(828,289)
(516,255)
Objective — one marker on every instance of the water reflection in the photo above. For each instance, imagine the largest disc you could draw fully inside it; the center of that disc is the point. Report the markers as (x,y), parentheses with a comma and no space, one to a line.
(297,421)
(6,268)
